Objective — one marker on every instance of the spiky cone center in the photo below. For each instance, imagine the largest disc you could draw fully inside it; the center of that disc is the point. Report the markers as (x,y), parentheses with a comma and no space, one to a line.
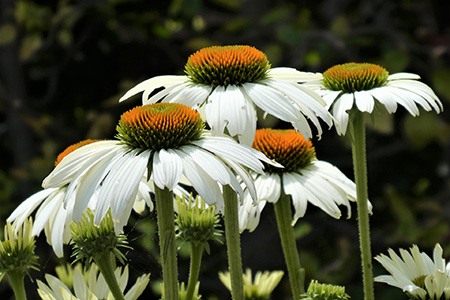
(92,241)
(72,148)
(227,65)
(286,147)
(17,250)
(160,126)
(353,77)
(195,222)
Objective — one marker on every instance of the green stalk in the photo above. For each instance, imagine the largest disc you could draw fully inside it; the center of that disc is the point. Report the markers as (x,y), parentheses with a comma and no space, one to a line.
(358,140)
(106,264)
(167,246)
(16,279)
(233,239)
(283,214)
(194,268)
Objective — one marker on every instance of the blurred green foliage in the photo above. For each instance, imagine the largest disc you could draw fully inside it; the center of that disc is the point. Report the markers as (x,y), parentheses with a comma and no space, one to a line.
(64,64)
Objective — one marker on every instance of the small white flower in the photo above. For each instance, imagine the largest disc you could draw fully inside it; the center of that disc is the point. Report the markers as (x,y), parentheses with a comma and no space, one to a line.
(228,82)
(364,86)
(418,275)
(92,288)
(162,142)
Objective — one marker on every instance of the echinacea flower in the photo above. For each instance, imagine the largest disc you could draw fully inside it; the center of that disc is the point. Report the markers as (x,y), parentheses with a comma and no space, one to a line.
(418,275)
(56,210)
(304,178)
(90,285)
(228,82)
(162,142)
(365,86)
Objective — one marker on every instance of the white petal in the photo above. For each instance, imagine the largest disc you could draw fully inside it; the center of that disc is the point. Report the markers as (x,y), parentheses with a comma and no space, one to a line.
(59,225)
(364,101)
(121,184)
(193,95)
(24,210)
(292,74)
(397,76)
(153,83)
(401,99)
(385,99)
(205,186)
(298,195)
(226,108)
(45,212)
(268,187)
(167,168)
(271,101)
(340,112)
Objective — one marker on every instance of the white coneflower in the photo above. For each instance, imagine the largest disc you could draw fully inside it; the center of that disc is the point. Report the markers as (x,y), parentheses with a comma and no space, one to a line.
(229,81)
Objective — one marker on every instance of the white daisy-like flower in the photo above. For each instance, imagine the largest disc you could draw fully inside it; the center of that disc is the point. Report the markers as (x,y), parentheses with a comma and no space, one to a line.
(92,288)
(365,86)
(304,178)
(228,82)
(164,142)
(418,275)
(56,210)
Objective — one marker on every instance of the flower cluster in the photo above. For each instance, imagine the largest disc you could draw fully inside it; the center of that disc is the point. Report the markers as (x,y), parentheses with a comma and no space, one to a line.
(195,149)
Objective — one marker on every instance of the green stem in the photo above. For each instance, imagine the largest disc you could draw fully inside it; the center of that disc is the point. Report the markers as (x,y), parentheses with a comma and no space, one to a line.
(194,271)
(167,246)
(16,279)
(358,131)
(283,214)
(233,239)
(106,264)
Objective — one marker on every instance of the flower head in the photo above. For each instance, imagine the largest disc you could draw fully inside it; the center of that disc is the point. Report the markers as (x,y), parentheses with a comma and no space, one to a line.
(364,87)
(107,174)
(17,250)
(418,275)
(229,81)
(55,211)
(196,222)
(90,285)
(258,288)
(304,178)
(91,241)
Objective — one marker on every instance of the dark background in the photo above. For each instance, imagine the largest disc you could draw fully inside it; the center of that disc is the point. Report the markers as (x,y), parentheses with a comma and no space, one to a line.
(64,64)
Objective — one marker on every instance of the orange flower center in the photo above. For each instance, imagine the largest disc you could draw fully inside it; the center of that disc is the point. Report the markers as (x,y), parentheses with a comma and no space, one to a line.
(227,65)
(287,147)
(352,77)
(160,126)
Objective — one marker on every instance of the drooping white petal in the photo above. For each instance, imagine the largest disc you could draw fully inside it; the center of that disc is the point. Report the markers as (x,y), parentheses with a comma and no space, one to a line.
(24,210)
(271,101)
(225,147)
(121,183)
(153,83)
(404,101)
(421,89)
(45,211)
(385,99)
(268,187)
(191,95)
(167,168)
(226,108)
(77,161)
(205,186)
(340,112)
(58,227)
(298,194)
(364,101)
